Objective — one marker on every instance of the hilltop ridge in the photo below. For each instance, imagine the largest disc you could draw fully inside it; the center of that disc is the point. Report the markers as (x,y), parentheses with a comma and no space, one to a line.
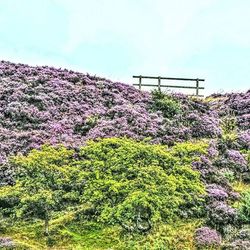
(44,104)
(87,163)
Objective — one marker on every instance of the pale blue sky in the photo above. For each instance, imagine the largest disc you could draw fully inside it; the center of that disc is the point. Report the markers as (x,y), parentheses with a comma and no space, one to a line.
(119,38)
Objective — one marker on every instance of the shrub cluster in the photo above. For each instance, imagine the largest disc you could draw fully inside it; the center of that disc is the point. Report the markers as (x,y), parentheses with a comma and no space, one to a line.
(46,105)
(206,237)
(122,181)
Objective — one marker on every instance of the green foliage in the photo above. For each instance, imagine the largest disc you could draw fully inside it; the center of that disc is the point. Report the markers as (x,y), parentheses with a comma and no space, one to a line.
(229,124)
(9,197)
(240,186)
(244,207)
(137,184)
(90,235)
(227,140)
(187,152)
(166,104)
(228,175)
(45,183)
(115,183)
(248,157)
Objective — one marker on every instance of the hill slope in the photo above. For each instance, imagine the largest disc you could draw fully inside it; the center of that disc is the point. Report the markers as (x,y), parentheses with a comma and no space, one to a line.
(198,143)
(44,104)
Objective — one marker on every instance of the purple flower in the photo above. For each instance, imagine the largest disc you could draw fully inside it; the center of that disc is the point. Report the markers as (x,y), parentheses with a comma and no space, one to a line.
(244,139)
(204,125)
(238,245)
(207,237)
(220,214)
(206,169)
(234,196)
(6,242)
(216,192)
(236,157)
(212,149)
(46,105)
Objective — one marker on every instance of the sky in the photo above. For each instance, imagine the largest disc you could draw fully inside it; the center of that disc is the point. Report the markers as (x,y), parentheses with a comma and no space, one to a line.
(116,39)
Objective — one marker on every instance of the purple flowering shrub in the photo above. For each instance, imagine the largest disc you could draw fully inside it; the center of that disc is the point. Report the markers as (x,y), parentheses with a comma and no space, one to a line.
(188,118)
(46,105)
(220,214)
(234,165)
(235,157)
(237,245)
(233,160)
(244,139)
(206,237)
(6,242)
(207,170)
(237,160)
(234,103)
(230,157)
(240,240)
(126,120)
(211,174)
(212,149)
(216,193)
(203,125)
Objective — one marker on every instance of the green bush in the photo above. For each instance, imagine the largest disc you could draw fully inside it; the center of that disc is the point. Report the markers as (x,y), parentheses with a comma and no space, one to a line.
(136,184)
(45,183)
(119,180)
(229,124)
(244,208)
(187,152)
(166,104)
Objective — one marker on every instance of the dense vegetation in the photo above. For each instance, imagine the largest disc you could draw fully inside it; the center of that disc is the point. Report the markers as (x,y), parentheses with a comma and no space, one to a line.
(90,164)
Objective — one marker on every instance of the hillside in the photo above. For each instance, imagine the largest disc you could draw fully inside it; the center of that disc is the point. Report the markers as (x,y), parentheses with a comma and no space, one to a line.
(153,140)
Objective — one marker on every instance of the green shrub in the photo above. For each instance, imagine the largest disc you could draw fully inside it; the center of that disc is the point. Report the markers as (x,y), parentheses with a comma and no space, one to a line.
(45,183)
(187,152)
(244,208)
(229,124)
(165,103)
(136,184)
(121,181)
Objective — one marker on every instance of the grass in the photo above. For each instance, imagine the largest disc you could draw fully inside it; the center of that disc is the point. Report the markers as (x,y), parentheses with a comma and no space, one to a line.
(72,235)
(240,186)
